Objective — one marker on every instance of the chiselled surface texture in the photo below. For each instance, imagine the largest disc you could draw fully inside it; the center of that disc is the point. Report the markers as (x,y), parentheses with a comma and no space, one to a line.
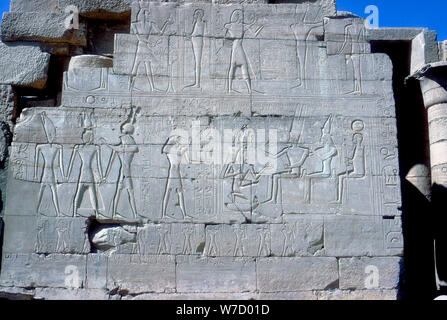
(23,65)
(241,149)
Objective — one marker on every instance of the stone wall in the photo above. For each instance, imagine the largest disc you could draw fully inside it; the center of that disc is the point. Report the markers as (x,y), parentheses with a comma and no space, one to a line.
(226,151)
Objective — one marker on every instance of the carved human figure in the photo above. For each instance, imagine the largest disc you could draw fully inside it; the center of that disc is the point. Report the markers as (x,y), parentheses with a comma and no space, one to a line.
(88,153)
(326,152)
(63,235)
(176,150)
(235,31)
(355,44)
(197,38)
(144,28)
(304,32)
(213,248)
(264,238)
(163,233)
(125,152)
(42,230)
(241,235)
(188,231)
(49,152)
(289,235)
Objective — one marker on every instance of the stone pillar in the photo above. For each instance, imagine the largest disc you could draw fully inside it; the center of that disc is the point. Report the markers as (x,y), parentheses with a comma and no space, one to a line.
(433,81)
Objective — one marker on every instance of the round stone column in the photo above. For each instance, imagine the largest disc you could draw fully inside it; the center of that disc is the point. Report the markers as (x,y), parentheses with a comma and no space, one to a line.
(433,81)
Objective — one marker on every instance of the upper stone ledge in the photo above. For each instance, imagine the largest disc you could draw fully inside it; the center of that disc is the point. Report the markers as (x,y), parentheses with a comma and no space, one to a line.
(41,27)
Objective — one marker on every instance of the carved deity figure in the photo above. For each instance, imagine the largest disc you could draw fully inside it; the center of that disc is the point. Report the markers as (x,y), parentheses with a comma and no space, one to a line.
(87,152)
(49,152)
(197,38)
(144,28)
(355,161)
(326,152)
(176,150)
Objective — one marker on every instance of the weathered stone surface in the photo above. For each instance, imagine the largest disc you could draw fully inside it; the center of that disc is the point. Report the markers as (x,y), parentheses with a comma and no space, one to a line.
(443,50)
(370,273)
(298,295)
(192,296)
(32,270)
(99,9)
(90,61)
(140,274)
(358,295)
(245,151)
(295,274)
(20,234)
(112,238)
(42,27)
(62,235)
(73,294)
(15,293)
(7,104)
(23,65)
(196,274)
(33,5)
(366,236)
(175,238)
(97,272)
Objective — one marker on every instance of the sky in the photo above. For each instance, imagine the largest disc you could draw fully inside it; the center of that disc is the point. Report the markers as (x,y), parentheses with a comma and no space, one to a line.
(392,13)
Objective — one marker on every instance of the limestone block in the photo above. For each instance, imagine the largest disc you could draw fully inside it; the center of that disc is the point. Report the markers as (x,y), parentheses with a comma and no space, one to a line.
(225,274)
(112,237)
(137,274)
(23,65)
(99,9)
(175,238)
(62,235)
(295,274)
(358,295)
(7,104)
(366,236)
(370,273)
(90,61)
(20,234)
(346,36)
(42,27)
(296,295)
(34,6)
(95,88)
(442,50)
(298,236)
(14,293)
(192,296)
(32,270)
(247,240)
(70,295)
(96,271)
